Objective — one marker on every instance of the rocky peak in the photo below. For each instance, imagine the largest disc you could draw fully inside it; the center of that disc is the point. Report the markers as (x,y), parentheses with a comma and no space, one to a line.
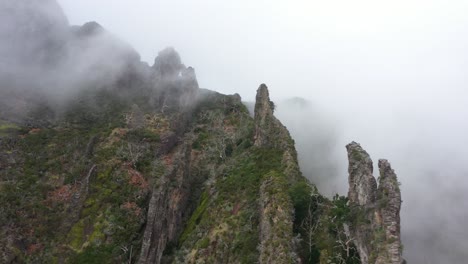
(263,106)
(176,85)
(390,204)
(376,231)
(88,29)
(362,184)
(189,78)
(168,64)
(268,130)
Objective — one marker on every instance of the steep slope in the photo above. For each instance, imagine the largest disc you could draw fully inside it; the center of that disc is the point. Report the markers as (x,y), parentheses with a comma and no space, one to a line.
(246,214)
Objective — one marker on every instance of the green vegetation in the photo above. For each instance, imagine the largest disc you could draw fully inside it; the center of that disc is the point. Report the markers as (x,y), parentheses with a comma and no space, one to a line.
(77,235)
(7,128)
(320,222)
(67,209)
(203,243)
(95,255)
(382,198)
(142,134)
(300,193)
(201,140)
(195,218)
(231,216)
(91,218)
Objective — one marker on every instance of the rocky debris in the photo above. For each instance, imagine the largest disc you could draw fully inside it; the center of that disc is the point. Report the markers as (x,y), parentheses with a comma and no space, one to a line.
(376,211)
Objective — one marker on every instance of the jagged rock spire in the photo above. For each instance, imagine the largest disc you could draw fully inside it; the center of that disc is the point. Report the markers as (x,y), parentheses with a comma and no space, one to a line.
(176,84)
(362,184)
(268,130)
(169,69)
(376,231)
(189,78)
(390,204)
(263,106)
(271,133)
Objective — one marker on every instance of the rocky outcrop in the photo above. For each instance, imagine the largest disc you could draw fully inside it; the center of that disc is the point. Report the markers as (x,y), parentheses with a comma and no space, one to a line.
(175,85)
(270,133)
(166,209)
(362,183)
(376,211)
(276,210)
(389,199)
(361,195)
(168,64)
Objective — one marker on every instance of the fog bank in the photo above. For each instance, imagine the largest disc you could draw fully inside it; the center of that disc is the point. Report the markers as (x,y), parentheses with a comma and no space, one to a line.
(423,139)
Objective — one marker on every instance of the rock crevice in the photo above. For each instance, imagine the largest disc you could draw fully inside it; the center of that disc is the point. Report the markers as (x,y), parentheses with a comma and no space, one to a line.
(169,200)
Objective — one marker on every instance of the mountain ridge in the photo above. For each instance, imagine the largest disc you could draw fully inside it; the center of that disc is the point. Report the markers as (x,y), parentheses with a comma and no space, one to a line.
(137,164)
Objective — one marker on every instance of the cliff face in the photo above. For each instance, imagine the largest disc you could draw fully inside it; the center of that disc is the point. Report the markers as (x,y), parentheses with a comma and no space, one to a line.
(167,207)
(143,166)
(376,228)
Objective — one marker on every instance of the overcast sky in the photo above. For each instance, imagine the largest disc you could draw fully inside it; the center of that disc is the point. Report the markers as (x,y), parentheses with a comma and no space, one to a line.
(391,75)
(296,46)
